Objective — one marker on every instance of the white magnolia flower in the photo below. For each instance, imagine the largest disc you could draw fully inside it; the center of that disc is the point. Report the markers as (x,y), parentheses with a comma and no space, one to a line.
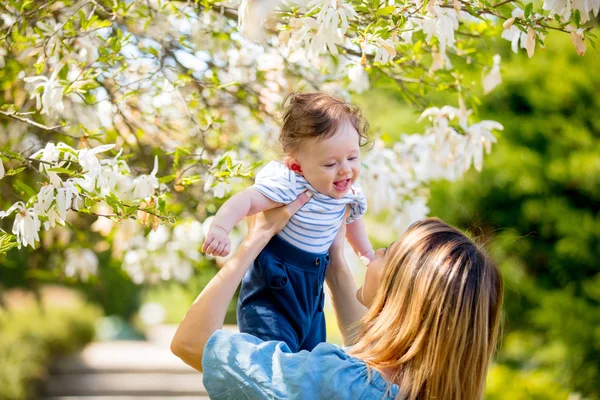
(480,138)
(158,239)
(409,28)
(512,33)
(493,79)
(440,116)
(564,8)
(54,156)
(1,169)
(89,160)
(145,185)
(440,61)
(187,238)
(441,23)
(3,53)
(334,14)
(252,16)
(26,225)
(386,50)
(51,94)
(81,263)
(410,212)
(320,34)
(359,79)
(220,189)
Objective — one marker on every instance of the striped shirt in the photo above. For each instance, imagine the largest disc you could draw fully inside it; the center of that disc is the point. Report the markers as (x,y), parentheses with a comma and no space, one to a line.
(315,225)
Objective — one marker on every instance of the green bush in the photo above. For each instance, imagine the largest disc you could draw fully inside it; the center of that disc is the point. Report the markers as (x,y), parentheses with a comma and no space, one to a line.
(30,336)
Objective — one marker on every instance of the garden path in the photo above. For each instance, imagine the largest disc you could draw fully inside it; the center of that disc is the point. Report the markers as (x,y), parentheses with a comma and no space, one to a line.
(126,370)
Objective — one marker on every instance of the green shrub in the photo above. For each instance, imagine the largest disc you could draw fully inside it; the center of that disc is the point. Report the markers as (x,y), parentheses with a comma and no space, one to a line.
(30,336)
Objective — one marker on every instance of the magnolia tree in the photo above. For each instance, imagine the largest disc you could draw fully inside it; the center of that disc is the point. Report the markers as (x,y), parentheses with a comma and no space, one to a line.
(125,124)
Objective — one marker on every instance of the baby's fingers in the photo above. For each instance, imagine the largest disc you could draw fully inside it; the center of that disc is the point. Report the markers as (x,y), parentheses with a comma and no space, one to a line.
(219,249)
(226,250)
(212,247)
(207,242)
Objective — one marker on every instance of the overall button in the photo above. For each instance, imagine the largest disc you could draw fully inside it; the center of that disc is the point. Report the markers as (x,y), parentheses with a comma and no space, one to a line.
(317,261)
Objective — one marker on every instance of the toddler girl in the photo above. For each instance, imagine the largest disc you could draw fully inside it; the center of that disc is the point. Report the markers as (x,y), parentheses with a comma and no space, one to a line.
(281,297)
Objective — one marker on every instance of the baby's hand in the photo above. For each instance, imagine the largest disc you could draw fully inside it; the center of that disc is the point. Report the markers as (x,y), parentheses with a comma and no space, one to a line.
(217,242)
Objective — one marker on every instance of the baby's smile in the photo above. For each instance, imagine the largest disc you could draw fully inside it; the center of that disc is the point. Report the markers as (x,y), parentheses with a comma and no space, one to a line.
(342,185)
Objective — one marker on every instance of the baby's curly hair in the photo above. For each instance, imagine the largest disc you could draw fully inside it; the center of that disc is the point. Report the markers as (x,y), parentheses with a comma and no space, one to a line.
(318,115)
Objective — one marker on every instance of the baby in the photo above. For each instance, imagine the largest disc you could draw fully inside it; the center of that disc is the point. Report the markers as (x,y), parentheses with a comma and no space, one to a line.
(282,293)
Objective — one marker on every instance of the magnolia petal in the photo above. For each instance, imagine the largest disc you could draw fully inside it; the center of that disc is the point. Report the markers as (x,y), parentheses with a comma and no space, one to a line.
(155,169)
(390,49)
(1,170)
(530,43)
(457,6)
(578,42)
(508,23)
(102,149)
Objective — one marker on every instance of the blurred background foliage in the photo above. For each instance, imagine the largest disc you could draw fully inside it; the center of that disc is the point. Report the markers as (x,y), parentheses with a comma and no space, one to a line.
(33,331)
(536,208)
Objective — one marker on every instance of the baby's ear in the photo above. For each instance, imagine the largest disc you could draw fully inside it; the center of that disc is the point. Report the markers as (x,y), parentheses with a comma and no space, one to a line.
(292,163)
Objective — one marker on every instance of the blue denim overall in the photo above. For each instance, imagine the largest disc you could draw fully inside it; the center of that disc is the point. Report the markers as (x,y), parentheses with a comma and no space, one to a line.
(282,296)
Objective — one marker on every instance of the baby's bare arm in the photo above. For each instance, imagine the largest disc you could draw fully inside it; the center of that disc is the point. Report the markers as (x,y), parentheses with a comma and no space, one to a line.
(231,212)
(356,233)
(245,203)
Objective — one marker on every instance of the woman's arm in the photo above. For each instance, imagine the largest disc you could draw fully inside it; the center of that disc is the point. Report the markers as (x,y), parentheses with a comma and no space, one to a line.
(207,313)
(342,289)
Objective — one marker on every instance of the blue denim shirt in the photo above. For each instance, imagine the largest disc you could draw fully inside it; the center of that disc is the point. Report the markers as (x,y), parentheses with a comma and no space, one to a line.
(241,366)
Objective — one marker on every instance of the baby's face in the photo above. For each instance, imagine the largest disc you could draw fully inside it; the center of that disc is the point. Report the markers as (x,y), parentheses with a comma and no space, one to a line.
(331,165)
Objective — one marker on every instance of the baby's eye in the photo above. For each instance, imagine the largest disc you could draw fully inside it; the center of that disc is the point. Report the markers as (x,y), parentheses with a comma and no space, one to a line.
(352,158)
(329,165)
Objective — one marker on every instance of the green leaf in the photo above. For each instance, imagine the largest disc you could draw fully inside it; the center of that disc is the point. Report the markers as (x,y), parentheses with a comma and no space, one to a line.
(577,17)
(167,178)
(386,11)
(15,171)
(24,189)
(528,9)
(7,242)
(417,47)
(62,171)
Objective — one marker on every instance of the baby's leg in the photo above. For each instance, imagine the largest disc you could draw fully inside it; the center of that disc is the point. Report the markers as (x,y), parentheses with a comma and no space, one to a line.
(317,332)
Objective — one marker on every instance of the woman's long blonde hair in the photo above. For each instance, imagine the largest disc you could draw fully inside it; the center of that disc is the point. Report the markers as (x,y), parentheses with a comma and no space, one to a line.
(434,321)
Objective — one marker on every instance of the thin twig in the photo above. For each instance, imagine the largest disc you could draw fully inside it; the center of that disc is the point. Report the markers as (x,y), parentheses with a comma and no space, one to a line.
(55,129)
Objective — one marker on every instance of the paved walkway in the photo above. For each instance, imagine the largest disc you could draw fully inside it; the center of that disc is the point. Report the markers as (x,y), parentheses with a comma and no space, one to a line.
(126,370)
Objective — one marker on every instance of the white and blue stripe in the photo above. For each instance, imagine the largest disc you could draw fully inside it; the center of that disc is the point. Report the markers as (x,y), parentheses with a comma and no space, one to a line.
(315,225)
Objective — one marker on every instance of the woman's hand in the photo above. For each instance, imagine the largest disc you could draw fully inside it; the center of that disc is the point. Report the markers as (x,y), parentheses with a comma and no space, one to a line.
(266,224)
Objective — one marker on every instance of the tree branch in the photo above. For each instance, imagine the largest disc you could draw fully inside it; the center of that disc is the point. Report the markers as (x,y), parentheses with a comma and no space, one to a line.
(56,129)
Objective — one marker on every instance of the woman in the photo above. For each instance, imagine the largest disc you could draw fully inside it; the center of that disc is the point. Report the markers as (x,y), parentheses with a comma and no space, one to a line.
(423,326)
